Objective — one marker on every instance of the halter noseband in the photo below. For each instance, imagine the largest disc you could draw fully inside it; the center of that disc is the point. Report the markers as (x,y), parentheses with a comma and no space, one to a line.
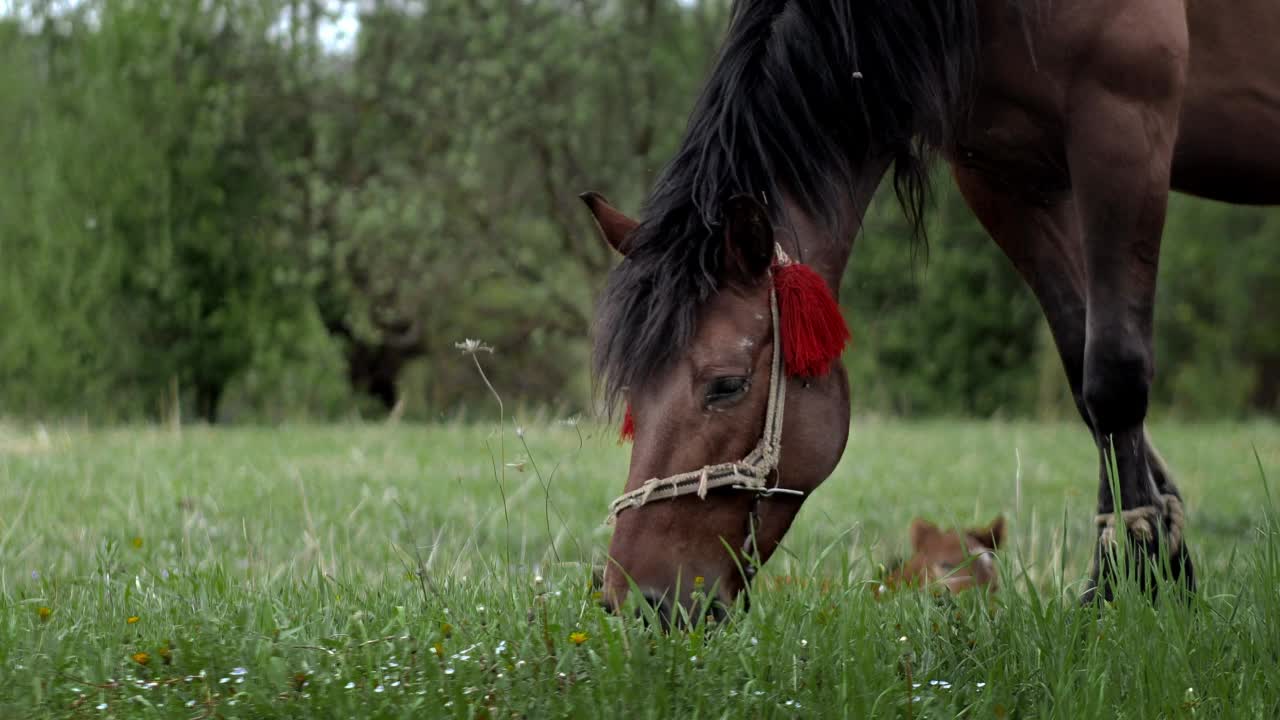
(750,473)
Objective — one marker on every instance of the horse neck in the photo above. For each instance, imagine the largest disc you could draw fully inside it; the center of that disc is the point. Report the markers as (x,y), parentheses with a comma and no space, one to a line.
(827,250)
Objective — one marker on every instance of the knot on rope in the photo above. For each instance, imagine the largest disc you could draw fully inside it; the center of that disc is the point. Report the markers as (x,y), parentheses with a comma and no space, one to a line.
(1142,522)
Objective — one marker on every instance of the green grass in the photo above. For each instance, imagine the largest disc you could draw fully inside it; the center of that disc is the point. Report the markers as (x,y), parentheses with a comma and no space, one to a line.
(279,570)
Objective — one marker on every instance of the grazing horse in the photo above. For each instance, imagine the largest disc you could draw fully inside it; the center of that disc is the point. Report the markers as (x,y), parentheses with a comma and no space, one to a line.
(1066,125)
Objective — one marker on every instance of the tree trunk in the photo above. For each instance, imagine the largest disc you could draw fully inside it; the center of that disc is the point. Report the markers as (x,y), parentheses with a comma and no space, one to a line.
(208,397)
(375,371)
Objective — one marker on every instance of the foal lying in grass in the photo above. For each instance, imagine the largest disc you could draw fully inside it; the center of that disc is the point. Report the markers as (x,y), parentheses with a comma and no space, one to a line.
(954,559)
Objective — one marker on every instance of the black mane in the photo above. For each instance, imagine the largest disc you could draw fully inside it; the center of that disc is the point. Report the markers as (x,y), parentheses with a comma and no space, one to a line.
(803,94)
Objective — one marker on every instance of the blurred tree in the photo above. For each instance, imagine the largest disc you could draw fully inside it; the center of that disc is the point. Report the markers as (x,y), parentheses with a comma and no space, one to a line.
(947,328)
(211,198)
(443,163)
(156,154)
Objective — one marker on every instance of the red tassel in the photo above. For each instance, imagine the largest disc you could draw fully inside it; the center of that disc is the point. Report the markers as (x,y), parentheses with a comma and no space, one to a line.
(628,432)
(813,330)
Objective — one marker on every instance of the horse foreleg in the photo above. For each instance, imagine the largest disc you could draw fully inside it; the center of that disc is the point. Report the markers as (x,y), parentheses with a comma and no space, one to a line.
(1119,154)
(1043,240)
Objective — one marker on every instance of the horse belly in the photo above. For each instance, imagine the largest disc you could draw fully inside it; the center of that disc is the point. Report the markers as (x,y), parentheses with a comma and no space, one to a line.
(1229,138)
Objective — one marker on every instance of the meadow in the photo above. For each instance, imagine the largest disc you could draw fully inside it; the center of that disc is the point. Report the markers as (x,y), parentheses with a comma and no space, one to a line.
(444,571)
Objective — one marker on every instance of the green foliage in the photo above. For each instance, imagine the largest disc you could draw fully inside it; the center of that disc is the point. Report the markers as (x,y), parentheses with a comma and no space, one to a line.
(208,208)
(943,329)
(150,169)
(1218,345)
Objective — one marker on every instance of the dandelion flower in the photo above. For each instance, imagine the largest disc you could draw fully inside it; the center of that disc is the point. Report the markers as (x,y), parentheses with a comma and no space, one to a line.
(578,637)
(471,347)
(132,619)
(699,581)
(446,629)
(136,542)
(141,658)
(44,613)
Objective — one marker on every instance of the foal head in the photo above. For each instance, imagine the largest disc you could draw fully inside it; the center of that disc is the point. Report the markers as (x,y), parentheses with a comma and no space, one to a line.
(698,374)
(954,559)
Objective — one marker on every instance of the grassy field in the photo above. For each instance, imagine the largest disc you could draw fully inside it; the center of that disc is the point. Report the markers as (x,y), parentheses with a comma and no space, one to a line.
(372,571)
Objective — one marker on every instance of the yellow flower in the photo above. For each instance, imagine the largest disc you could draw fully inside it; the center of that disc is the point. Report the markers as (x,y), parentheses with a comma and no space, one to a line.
(137,543)
(141,658)
(44,613)
(446,629)
(699,581)
(132,619)
(578,637)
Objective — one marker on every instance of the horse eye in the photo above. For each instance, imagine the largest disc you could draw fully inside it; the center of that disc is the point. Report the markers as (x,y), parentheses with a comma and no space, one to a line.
(724,389)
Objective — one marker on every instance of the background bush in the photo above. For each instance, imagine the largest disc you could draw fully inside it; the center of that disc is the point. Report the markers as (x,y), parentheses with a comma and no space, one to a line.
(219,208)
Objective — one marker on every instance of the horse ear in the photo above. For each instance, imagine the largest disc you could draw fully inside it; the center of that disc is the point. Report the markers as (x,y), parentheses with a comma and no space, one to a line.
(991,536)
(614,227)
(921,530)
(748,239)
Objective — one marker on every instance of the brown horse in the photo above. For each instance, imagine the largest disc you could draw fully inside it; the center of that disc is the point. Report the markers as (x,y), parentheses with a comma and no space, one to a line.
(1066,124)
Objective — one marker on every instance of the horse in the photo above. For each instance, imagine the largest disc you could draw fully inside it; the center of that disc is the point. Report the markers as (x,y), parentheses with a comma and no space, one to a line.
(1065,125)
(953,560)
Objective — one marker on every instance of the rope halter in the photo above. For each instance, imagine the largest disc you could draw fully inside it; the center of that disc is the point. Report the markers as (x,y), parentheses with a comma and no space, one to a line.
(751,473)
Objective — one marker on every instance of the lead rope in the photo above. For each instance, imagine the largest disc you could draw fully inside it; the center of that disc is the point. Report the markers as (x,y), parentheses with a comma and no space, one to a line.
(750,473)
